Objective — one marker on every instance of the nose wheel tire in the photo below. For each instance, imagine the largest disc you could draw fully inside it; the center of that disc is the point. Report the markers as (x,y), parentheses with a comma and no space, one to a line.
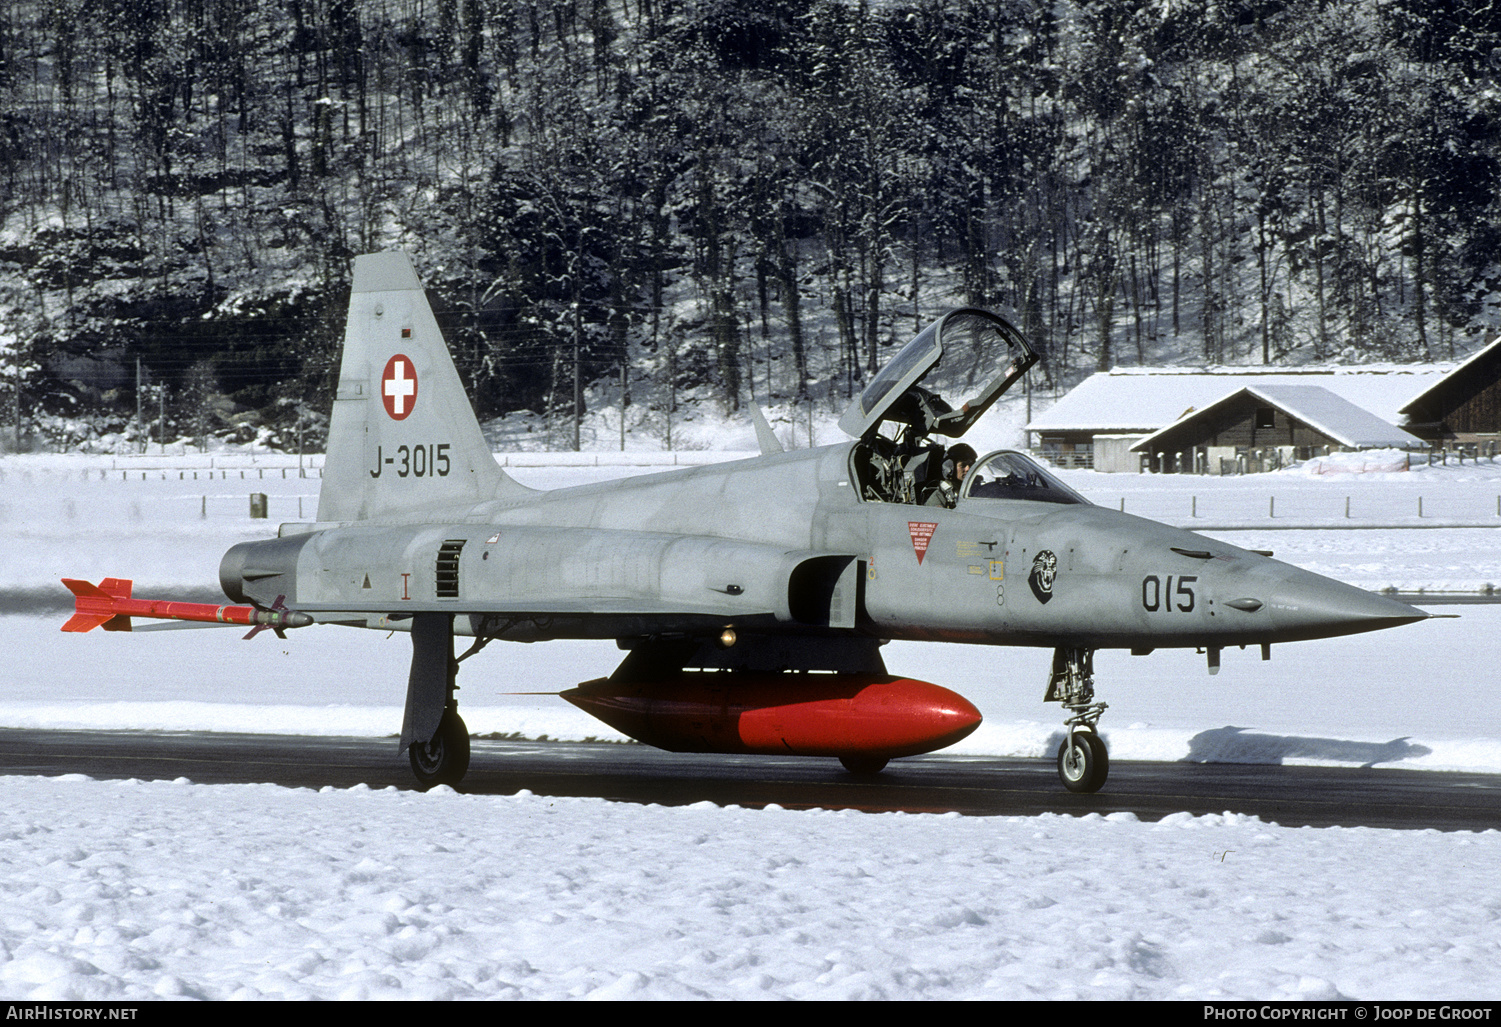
(1083,762)
(445,759)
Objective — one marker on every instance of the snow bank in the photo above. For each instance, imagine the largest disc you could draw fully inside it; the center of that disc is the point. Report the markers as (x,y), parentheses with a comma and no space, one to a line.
(1372,461)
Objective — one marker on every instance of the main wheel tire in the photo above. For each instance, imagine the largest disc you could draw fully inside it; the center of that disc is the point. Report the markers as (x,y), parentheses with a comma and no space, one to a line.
(864,765)
(445,759)
(1083,766)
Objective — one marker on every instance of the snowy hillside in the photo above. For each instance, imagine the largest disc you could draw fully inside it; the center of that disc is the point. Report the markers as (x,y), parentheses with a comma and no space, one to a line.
(717,202)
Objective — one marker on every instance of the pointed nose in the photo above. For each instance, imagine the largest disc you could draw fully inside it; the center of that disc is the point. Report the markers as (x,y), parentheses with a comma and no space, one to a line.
(1307,605)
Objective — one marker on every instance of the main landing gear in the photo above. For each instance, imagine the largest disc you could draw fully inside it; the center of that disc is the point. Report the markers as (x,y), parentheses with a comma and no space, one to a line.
(1083,761)
(433,734)
(444,759)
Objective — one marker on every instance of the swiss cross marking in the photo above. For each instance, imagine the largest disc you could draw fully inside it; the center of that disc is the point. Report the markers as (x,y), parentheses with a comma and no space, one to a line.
(921,533)
(398,387)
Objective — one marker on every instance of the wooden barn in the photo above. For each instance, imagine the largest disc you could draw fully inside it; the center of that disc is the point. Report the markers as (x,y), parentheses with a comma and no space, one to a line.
(1463,407)
(1099,423)
(1263,427)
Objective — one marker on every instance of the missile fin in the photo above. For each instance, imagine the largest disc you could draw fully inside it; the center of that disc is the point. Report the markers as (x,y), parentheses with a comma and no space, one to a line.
(86,621)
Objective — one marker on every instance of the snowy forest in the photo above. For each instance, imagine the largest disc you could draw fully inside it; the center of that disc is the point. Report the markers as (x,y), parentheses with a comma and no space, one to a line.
(732,199)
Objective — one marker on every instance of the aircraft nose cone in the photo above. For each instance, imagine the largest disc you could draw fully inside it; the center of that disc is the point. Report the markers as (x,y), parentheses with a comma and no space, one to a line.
(1307,605)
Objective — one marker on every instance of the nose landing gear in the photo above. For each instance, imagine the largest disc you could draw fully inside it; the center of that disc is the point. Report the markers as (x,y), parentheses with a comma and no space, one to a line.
(1083,760)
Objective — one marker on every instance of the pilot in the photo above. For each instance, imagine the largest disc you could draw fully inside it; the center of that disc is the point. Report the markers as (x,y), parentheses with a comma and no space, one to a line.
(956,464)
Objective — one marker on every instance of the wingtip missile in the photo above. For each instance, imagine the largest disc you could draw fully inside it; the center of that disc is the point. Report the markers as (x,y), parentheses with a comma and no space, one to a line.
(109,605)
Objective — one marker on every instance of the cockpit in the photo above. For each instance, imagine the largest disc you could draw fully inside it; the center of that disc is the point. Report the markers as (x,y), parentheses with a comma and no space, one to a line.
(898,460)
(1009,475)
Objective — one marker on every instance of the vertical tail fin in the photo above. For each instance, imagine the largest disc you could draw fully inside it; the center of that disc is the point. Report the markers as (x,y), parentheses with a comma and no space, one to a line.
(403,436)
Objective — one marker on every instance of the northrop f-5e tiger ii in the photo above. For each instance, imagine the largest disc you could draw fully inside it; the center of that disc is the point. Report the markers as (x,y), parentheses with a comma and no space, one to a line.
(752,598)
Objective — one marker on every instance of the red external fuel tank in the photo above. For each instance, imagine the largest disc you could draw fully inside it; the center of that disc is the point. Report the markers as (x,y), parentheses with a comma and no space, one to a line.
(803,714)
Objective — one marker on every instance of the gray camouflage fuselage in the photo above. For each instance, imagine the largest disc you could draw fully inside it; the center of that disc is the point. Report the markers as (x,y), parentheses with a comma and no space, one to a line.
(782,543)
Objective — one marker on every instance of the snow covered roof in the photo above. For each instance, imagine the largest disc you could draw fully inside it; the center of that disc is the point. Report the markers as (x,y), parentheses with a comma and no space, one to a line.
(1453,373)
(1145,399)
(1320,409)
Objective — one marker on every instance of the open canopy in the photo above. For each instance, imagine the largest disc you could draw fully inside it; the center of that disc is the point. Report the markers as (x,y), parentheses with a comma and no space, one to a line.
(965,352)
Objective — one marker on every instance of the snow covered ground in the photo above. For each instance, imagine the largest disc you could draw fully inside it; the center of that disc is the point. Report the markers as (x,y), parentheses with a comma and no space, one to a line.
(126,890)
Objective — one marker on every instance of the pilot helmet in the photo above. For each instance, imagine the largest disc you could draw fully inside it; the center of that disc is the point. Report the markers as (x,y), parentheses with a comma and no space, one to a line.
(962,453)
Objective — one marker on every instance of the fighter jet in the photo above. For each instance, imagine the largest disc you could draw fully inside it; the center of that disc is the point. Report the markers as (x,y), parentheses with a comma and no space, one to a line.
(752,598)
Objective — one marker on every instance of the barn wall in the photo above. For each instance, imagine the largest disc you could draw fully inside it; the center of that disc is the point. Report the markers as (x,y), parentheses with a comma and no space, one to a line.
(1463,406)
(1233,424)
(1113,453)
(1470,404)
(1067,449)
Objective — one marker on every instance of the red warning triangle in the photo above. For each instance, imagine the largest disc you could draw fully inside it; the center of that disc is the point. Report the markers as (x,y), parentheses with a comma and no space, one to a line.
(922,534)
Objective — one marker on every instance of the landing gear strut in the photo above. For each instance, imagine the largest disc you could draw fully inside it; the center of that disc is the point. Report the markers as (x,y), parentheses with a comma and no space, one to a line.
(433,734)
(1083,761)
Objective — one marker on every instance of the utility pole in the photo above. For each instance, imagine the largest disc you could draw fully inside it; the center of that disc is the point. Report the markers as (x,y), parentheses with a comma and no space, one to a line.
(578,385)
(140,424)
